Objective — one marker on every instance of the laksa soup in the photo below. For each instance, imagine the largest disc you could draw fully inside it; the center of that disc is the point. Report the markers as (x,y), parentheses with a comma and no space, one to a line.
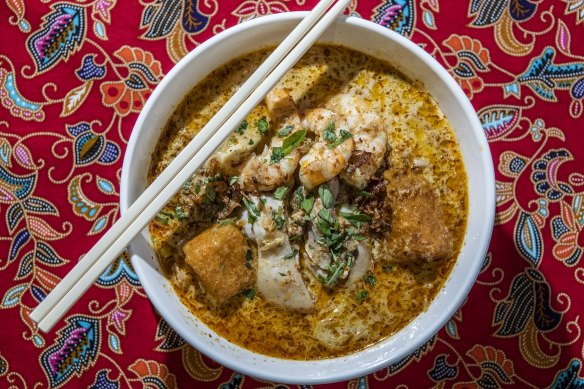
(328,220)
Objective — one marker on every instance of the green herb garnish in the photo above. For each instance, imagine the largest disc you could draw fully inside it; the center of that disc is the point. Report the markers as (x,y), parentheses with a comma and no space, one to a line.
(210,193)
(250,142)
(197,188)
(291,254)
(307,204)
(241,128)
(249,293)
(180,213)
(329,132)
(225,222)
(233,180)
(252,209)
(289,144)
(326,196)
(355,217)
(248,258)
(298,194)
(280,193)
(285,131)
(361,295)
(164,217)
(263,125)
(278,219)
(370,279)
(344,136)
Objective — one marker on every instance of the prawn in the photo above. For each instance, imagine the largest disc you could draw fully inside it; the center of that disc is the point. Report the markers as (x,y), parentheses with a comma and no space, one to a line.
(330,154)
(261,172)
(371,143)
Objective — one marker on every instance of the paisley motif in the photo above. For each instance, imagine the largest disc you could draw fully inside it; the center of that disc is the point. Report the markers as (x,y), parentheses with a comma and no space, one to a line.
(14,186)
(528,301)
(528,239)
(13,100)
(498,120)
(543,76)
(569,378)
(398,15)
(74,350)
(62,35)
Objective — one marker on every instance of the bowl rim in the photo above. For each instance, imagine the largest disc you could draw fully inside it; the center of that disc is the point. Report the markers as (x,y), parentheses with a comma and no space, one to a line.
(217,353)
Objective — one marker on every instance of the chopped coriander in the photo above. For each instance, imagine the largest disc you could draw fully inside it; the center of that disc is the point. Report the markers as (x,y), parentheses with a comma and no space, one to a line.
(263,201)
(241,128)
(307,204)
(250,142)
(329,132)
(337,269)
(293,141)
(278,219)
(252,209)
(248,258)
(326,196)
(361,192)
(298,194)
(180,213)
(361,295)
(187,184)
(280,193)
(283,274)
(294,238)
(277,155)
(249,293)
(210,192)
(387,268)
(286,130)
(233,180)
(291,254)
(370,279)
(344,136)
(359,237)
(288,145)
(262,125)
(326,215)
(164,217)
(225,222)
(355,217)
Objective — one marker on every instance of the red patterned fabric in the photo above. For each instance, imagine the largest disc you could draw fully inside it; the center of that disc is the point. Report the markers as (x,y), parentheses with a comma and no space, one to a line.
(73,77)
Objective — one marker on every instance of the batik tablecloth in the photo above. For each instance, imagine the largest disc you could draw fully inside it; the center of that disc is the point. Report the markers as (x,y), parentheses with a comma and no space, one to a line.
(73,77)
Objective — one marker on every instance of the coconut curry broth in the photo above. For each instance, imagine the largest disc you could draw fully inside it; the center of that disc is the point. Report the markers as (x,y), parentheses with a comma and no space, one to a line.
(394,292)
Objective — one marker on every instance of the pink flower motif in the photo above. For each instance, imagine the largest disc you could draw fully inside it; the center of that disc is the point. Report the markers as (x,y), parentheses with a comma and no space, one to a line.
(253,8)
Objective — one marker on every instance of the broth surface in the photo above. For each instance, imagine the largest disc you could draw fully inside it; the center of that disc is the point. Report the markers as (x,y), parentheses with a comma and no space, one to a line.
(417,130)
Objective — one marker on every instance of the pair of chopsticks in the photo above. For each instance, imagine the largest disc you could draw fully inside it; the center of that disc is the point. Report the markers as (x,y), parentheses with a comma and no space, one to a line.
(193,156)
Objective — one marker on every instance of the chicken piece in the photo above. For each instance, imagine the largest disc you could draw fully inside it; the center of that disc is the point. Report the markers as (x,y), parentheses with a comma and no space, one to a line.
(418,227)
(217,256)
(363,263)
(278,276)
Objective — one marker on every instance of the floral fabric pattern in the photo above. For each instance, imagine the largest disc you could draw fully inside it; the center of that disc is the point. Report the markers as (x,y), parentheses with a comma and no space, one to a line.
(75,74)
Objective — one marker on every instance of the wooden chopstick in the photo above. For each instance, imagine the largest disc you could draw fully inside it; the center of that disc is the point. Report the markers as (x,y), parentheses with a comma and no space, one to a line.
(193,156)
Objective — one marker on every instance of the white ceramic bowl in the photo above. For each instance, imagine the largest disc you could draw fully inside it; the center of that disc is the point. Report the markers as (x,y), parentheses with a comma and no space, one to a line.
(414,63)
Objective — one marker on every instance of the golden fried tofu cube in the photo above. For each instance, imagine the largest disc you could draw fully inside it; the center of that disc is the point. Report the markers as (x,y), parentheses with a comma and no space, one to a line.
(218,258)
